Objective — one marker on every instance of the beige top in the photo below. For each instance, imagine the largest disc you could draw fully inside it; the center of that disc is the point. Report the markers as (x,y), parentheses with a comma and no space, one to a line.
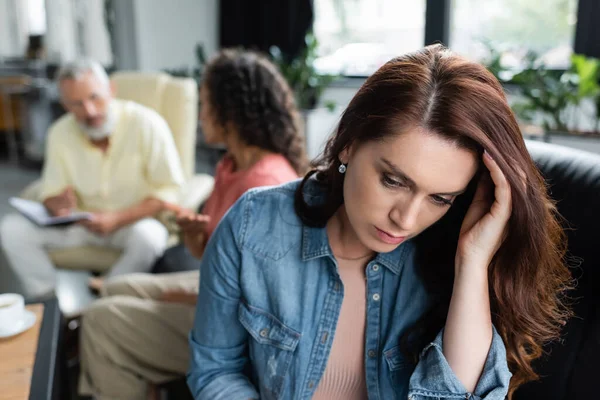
(141,161)
(344,376)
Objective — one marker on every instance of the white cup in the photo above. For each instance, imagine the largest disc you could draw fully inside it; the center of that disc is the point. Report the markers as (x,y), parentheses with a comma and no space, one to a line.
(12,309)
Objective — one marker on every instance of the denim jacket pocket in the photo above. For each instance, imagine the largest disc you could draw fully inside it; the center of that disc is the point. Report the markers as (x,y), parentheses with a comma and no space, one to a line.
(272,349)
(399,369)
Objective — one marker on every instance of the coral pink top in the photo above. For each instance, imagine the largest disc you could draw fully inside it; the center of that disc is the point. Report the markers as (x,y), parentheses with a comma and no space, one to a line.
(273,169)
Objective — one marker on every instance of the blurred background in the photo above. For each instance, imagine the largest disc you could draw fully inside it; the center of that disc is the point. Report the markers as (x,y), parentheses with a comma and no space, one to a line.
(325,47)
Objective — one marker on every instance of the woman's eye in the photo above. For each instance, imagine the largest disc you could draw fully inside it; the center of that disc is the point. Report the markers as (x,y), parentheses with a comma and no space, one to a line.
(441,201)
(390,182)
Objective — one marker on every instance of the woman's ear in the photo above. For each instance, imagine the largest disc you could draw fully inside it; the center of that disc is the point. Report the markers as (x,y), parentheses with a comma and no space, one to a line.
(345,154)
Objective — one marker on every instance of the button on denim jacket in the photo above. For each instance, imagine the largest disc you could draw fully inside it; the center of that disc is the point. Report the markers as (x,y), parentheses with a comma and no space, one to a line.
(269,301)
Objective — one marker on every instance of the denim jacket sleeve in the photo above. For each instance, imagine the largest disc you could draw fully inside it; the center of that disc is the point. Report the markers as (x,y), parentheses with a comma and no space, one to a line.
(434,379)
(218,340)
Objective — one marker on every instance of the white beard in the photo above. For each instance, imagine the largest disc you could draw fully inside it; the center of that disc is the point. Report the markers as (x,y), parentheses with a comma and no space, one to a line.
(103,131)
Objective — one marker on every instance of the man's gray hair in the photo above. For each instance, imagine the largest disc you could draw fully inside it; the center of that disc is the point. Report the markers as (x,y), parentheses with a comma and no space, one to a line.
(76,69)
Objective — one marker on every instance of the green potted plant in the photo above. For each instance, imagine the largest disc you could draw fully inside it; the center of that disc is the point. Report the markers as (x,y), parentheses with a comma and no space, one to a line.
(558,95)
(551,96)
(588,76)
(546,93)
(564,105)
(307,84)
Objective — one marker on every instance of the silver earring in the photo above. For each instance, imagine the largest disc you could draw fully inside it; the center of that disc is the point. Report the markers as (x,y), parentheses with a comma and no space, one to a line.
(342,169)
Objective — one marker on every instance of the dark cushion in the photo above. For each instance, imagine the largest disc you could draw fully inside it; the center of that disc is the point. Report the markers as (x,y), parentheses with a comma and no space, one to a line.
(176,259)
(175,390)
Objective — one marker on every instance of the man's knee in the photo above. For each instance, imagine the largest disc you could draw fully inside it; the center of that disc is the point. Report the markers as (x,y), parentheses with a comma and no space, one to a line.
(150,235)
(102,314)
(15,228)
(102,327)
(96,315)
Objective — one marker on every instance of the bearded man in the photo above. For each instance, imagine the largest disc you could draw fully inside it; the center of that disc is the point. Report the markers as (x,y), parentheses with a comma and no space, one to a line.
(114,158)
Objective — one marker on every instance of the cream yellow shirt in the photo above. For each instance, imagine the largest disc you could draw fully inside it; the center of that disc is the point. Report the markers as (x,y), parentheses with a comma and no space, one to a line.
(141,161)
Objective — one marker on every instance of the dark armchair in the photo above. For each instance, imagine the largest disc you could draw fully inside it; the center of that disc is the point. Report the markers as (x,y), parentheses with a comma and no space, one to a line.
(570,369)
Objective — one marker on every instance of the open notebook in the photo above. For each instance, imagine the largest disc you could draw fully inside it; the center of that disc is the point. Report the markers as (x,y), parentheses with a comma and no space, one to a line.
(37,213)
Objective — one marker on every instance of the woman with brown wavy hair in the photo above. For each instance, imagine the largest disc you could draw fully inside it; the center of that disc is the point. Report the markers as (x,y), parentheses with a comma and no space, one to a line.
(421,257)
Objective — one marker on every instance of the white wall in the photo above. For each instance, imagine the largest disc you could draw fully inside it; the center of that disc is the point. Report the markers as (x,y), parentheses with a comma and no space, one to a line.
(6,30)
(76,28)
(95,39)
(59,40)
(13,28)
(167,32)
(321,123)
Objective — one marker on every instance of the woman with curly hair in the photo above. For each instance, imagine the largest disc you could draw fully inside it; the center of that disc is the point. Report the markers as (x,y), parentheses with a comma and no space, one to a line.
(421,258)
(137,334)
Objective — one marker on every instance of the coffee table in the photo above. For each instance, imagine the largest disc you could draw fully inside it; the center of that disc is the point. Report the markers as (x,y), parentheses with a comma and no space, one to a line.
(32,366)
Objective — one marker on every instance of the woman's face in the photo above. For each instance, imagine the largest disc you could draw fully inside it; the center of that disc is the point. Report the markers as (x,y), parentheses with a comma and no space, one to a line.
(212,131)
(396,188)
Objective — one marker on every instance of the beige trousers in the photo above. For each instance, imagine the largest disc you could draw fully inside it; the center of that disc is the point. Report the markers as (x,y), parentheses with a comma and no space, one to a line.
(129,339)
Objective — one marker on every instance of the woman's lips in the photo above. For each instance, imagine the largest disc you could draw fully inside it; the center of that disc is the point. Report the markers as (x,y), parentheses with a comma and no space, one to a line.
(388,238)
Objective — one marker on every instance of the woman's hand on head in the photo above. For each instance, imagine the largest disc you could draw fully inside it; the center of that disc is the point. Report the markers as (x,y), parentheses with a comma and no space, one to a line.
(485,226)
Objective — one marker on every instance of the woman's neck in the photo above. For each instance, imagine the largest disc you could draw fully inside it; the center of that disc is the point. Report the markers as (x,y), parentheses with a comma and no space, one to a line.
(343,239)
(245,156)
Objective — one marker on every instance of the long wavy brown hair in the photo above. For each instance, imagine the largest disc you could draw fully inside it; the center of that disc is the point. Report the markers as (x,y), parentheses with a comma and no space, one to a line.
(463,102)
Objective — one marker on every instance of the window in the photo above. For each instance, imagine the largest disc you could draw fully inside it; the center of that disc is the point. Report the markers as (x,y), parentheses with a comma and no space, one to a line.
(36,17)
(514,27)
(19,20)
(356,37)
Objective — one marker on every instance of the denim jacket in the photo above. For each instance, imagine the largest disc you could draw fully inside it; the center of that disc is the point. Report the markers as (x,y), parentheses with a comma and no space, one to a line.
(270,296)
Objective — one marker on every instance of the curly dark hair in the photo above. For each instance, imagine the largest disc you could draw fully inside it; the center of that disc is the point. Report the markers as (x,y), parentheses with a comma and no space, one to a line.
(247,91)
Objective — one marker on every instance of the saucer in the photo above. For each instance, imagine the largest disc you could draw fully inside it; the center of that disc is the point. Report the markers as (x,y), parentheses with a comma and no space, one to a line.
(26,322)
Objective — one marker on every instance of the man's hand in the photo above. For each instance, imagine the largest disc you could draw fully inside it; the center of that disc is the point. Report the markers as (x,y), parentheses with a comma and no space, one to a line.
(61,204)
(103,223)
